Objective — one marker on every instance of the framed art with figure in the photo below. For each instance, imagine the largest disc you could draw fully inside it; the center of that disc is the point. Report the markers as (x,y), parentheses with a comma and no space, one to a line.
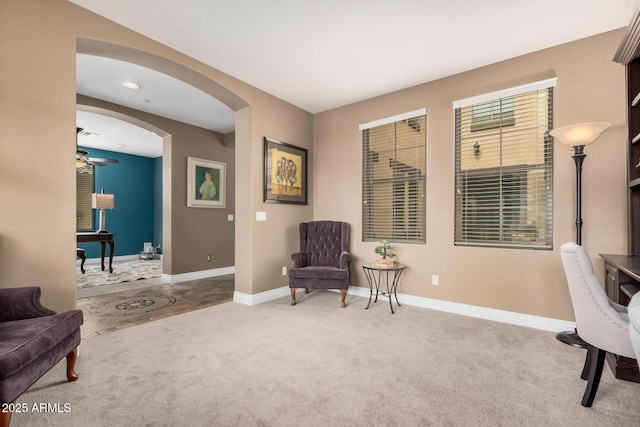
(285,173)
(206,183)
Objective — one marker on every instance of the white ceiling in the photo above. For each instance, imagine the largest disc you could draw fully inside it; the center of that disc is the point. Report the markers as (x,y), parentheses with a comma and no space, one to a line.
(324,54)
(159,94)
(112,134)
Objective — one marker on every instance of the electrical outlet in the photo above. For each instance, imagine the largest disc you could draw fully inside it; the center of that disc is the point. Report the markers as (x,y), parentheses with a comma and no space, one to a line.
(208,258)
(284,271)
(435,280)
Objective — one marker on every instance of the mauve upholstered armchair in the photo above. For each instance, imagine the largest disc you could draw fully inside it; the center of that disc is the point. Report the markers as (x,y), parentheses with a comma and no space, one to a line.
(323,260)
(33,339)
(600,322)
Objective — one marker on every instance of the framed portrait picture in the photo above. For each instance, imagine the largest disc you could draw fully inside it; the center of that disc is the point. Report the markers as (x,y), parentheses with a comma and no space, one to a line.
(206,183)
(285,173)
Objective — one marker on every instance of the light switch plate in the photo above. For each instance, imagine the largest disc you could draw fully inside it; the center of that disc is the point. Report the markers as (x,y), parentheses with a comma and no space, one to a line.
(261,216)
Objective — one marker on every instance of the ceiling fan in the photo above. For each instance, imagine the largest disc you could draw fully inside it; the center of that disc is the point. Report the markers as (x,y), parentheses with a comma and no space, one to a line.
(83,159)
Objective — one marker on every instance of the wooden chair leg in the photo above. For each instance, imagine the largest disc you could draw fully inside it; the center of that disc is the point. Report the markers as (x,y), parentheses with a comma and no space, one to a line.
(71,364)
(587,364)
(81,253)
(595,372)
(293,296)
(5,417)
(344,295)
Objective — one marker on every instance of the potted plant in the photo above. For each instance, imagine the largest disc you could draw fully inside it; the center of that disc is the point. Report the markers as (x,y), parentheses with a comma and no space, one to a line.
(384,250)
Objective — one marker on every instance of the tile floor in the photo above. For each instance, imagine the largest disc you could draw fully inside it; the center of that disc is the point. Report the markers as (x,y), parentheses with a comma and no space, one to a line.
(109,308)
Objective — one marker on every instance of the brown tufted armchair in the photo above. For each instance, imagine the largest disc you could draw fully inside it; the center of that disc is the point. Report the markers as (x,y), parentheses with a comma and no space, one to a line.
(323,260)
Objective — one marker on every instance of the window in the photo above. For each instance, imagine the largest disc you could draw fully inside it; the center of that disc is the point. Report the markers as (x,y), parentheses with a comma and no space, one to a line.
(394,162)
(84,188)
(491,114)
(503,168)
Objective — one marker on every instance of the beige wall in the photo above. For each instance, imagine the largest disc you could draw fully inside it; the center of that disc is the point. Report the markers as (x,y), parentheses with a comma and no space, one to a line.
(39,40)
(590,88)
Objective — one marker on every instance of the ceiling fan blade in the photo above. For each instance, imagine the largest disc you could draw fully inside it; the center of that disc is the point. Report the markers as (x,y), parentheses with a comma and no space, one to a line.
(97,159)
(94,163)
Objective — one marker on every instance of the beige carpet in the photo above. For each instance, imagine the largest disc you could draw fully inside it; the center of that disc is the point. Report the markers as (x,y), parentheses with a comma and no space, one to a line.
(123,271)
(316,364)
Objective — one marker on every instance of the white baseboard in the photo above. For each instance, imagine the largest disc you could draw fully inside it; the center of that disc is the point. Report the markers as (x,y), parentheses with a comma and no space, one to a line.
(510,317)
(247,299)
(196,275)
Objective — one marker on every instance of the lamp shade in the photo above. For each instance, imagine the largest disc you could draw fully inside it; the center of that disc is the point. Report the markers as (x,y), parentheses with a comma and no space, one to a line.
(102,201)
(580,134)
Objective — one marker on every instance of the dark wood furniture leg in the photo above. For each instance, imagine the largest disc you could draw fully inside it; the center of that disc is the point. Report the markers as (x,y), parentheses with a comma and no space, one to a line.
(71,364)
(111,247)
(102,246)
(596,364)
(293,296)
(81,254)
(344,295)
(587,367)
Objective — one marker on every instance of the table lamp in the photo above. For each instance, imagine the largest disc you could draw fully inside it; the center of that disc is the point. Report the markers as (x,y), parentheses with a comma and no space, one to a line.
(102,201)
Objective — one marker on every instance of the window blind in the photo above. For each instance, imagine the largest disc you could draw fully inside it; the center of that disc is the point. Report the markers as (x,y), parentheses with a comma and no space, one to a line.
(84,188)
(503,169)
(394,178)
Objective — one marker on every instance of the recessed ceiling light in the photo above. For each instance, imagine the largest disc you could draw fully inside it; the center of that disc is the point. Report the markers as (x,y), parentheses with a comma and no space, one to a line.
(122,146)
(131,85)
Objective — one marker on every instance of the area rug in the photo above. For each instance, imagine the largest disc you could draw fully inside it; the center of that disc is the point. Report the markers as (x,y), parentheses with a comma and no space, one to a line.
(123,271)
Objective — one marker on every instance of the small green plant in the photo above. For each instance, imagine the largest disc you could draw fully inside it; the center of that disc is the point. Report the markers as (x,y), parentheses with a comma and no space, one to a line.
(383,249)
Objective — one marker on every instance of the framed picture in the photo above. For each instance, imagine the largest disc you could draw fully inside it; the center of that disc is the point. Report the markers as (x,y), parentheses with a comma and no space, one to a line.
(285,173)
(206,183)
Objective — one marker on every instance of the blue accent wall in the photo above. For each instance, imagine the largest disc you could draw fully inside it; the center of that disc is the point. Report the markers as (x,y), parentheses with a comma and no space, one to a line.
(134,182)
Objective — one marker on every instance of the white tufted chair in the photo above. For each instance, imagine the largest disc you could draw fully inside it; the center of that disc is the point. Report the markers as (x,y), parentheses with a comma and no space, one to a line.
(601,323)
(634,324)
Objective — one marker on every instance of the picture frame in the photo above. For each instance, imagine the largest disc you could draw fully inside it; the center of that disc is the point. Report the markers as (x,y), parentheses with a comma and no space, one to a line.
(203,192)
(285,173)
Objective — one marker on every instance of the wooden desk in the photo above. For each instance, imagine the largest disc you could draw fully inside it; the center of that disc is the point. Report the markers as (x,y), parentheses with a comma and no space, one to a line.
(103,239)
(622,281)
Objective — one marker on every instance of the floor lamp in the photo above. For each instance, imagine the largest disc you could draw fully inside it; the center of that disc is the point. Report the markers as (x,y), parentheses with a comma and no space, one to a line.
(576,137)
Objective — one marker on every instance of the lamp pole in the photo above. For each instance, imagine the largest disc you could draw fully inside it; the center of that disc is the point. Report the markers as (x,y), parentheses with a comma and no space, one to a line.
(571,337)
(578,158)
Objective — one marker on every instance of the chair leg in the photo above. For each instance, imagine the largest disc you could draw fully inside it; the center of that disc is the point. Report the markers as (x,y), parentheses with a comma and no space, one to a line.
(587,363)
(71,364)
(595,372)
(5,418)
(293,296)
(344,295)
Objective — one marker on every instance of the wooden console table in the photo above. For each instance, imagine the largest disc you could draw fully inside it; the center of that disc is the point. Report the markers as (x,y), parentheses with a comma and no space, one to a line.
(622,281)
(103,239)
